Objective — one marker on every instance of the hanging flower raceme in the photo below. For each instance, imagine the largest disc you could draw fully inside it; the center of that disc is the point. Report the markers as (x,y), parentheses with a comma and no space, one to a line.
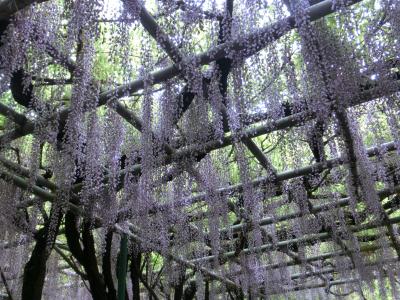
(208,149)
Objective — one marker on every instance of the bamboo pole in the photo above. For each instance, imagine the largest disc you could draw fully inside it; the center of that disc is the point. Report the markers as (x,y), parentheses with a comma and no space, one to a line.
(307,239)
(265,180)
(255,41)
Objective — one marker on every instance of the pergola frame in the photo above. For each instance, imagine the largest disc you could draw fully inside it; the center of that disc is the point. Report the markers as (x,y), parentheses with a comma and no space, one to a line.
(46,190)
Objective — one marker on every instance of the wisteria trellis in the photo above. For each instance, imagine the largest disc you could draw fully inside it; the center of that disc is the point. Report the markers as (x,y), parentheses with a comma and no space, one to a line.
(199,149)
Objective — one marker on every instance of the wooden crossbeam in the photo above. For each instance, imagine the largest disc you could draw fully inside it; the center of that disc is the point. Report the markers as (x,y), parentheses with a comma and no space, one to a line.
(255,41)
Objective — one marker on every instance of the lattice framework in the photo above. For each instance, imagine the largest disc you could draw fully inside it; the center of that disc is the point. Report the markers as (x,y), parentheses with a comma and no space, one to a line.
(262,252)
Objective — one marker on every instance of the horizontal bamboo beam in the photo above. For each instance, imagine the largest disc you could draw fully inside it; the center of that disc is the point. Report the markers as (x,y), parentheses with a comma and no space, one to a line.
(315,258)
(286,243)
(329,270)
(264,180)
(224,233)
(332,270)
(248,45)
(261,129)
(320,285)
(24,184)
(192,264)
(280,124)
(316,209)
(20,170)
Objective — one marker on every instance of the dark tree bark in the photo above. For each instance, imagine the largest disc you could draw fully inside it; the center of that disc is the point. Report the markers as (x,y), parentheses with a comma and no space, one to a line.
(85,255)
(135,258)
(21,91)
(190,291)
(35,268)
(107,268)
(178,289)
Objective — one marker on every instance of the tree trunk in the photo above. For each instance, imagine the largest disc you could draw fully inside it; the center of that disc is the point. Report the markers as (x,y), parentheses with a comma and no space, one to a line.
(136,258)
(107,269)
(86,256)
(35,268)
(190,291)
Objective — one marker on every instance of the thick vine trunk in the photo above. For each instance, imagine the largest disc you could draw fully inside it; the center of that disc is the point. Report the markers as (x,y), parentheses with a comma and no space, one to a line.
(86,256)
(107,268)
(136,258)
(178,294)
(35,268)
(190,291)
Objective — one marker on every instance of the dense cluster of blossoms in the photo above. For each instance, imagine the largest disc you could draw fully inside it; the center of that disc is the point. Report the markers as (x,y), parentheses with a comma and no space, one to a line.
(245,167)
